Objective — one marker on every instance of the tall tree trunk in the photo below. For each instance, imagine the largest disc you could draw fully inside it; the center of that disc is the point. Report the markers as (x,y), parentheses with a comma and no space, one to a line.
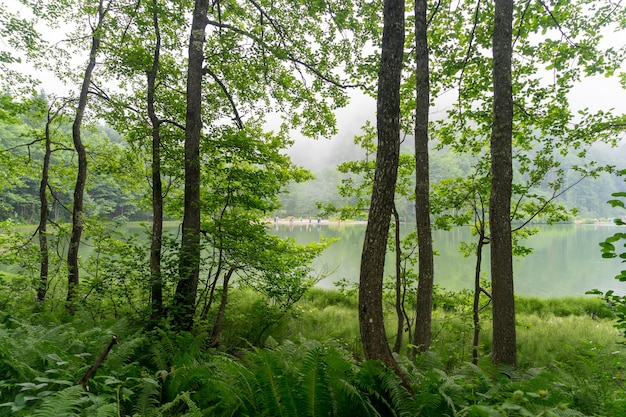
(81,176)
(426,266)
(157,185)
(43,218)
(185,296)
(504,335)
(375,345)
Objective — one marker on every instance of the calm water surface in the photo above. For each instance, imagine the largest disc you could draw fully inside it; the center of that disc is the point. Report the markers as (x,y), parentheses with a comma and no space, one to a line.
(566,258)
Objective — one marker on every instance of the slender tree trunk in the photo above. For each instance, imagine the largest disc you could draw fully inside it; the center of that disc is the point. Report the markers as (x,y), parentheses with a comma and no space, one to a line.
(43,219)
(399,287)
(504,335)
(375,345)
(477,291)
(81,176)
(185,296)
(157,185)
(219,320)
(426,266)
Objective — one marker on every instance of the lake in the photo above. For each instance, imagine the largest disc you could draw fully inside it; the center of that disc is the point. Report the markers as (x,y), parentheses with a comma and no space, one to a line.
(566,258)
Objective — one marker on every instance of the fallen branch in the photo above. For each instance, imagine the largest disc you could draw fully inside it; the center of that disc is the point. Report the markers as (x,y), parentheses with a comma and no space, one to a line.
(85,379)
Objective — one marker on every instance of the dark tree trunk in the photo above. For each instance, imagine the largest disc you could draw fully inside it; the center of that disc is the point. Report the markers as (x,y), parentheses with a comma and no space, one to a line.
(157,185)
(477,290)
(399,287)
(219,320)
(504,337)
(43,219)
(375,345)
(81,176)
(426,267)
(185,296)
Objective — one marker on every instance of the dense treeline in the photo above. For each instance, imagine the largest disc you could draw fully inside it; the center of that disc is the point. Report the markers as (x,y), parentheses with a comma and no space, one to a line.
(588,197)
(112,196)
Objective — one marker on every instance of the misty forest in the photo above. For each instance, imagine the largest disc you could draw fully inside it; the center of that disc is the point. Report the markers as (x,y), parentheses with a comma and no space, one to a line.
(150,150)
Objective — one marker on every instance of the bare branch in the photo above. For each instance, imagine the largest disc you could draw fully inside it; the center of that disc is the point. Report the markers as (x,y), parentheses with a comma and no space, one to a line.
(229,96)
(468,53)
(558,25)
(554,196)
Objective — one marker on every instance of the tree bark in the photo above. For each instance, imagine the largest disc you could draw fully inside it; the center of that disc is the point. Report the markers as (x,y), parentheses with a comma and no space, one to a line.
(81,176)
(157,186)
(397,346)
(504,335)
(375,345)
(218,325)
(43,218)
(477,290)
(185,296)
(426,267)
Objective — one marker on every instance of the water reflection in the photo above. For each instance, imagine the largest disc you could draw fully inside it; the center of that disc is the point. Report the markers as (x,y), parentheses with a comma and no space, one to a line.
(566,259)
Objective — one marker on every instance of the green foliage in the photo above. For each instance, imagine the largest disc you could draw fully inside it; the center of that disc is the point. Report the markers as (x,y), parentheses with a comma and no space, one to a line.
(164,373)
(609,251)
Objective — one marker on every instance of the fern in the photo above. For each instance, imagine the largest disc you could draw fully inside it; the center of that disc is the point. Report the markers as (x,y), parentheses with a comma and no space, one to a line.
(105,410)
(181,406)
(147,401)
(273,385)
(235,385)
(314,384)
(368,379)
(66,402)
(353,401)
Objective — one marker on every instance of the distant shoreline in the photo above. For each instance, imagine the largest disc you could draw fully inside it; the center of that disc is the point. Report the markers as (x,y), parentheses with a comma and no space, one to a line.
(313,221)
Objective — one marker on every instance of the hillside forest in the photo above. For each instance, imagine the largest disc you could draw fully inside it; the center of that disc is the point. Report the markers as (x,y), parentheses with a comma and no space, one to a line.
(203,121)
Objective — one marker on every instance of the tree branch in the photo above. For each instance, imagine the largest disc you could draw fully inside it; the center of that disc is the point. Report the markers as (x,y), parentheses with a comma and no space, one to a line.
(468,53)
(558,25)
(555,195)
(84,381)
(229,96)
(290,55)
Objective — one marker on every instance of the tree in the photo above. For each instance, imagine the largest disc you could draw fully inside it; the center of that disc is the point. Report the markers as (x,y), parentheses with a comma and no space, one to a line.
(423,318)
(185,297)
(563,40)
(371,322)
(504,335)
(73,268)
(157,183)
(290,75)
(44,270)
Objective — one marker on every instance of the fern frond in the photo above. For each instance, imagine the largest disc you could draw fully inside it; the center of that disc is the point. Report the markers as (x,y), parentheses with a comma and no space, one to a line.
(66,402)
(273,387)
(106,410)
(163,349)
(181,406)
(367,379)
(356,402)
(314,384)
(147,401)
(235,386)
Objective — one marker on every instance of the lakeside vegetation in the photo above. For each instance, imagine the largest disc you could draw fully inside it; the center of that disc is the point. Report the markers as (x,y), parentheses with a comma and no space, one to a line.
(307,362)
